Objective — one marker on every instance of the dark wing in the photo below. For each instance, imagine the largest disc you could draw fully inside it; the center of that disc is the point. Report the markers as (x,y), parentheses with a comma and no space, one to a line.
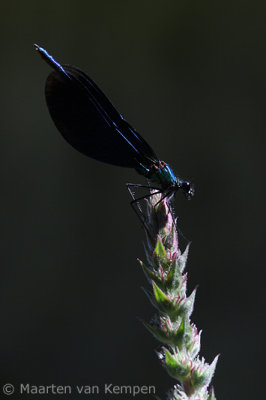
(88,121)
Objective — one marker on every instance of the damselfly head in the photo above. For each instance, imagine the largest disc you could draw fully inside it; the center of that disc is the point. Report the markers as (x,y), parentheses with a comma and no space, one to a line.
(188,189)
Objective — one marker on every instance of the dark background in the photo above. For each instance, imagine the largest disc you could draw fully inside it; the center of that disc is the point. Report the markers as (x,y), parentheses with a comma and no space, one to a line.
(190,77)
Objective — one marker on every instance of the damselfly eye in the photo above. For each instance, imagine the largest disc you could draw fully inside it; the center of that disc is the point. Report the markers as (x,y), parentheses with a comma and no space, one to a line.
(188,189)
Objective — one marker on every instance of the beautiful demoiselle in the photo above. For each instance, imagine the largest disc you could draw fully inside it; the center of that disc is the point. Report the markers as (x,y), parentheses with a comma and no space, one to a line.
(90,123)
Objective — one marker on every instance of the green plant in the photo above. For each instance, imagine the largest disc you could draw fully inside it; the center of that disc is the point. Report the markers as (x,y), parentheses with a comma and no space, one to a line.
(171,325)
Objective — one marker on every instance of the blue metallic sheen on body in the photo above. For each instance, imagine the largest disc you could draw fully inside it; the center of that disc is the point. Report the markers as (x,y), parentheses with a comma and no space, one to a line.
(50,60)
(160,173)
(164,176)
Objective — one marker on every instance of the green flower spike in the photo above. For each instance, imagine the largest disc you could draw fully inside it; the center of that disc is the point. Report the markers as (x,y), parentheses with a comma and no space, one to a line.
(171,325)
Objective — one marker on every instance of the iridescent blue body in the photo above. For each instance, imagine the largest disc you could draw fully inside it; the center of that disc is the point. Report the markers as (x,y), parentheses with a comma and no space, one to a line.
(90,123)
(160,173)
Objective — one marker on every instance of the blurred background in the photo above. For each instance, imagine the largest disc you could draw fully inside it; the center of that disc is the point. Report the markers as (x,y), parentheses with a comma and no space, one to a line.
(190,77)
